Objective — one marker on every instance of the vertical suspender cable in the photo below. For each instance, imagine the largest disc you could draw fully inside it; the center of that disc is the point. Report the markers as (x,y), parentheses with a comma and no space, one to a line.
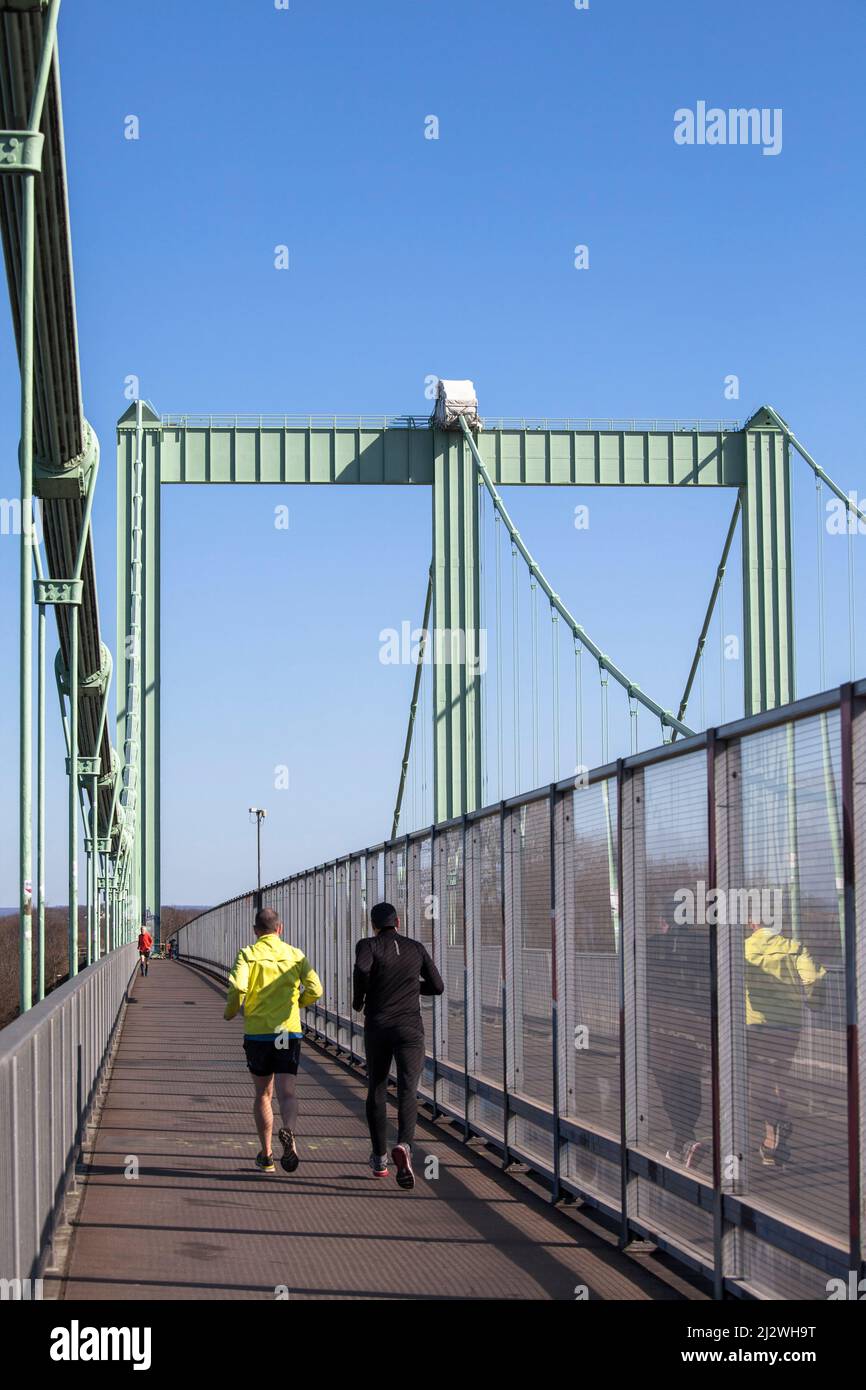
(579,633)
(515,661)
(40,784)
(722,648)
(414,783)
(25,827)
(482,624)
(497,532)
(703,693)
(40,811)
(72,944)
(852,631)
(578,704)
(820,545)
(132,728)
(793,493)
(604,712)
(425,818)
(554,638)
(533,606)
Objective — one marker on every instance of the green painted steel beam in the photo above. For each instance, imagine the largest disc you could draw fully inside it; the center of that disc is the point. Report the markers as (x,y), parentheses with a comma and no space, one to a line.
(58,444)
(457,703)
(768,608)
(143,631)
(246,452)
(250,449)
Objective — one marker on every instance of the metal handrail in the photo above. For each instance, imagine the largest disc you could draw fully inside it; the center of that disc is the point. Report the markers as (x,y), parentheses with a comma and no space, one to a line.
(327,420)
(52,1060)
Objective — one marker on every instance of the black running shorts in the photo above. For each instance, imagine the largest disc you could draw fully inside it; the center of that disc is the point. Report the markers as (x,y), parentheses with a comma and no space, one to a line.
(264,1057)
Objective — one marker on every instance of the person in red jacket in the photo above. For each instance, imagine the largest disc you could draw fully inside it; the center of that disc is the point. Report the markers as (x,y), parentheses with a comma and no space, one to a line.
(145,946)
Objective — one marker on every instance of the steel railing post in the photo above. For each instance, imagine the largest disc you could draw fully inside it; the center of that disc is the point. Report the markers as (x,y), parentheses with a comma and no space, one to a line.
(554,1004)
(465,992)
(623,1010)
(847,713)
(434,944)
(715,1050)
(94,864)
(28,271)
(40,808)
(73,791)
(504,988)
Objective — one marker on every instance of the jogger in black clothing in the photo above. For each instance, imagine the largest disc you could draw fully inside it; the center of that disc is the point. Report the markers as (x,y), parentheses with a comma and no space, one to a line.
(391,973)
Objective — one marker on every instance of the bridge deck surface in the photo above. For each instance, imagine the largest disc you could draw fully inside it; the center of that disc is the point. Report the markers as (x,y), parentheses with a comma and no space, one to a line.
(199,1222)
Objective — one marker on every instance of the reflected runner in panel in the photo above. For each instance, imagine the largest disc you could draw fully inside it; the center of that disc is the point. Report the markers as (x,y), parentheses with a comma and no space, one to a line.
(391,973)
(781,977)
(678,1004)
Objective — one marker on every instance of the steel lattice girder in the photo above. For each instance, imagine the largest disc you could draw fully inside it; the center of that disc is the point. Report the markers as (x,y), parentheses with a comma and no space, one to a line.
(63,443)
(269,453)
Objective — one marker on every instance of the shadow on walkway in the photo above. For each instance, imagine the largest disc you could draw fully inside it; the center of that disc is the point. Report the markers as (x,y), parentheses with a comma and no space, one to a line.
(176,1210)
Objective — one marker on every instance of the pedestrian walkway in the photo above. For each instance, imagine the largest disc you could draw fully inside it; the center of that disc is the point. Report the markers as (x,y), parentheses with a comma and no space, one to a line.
(199,1222)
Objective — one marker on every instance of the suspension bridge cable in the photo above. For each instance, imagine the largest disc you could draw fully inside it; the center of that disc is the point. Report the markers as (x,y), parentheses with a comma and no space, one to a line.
(853,510)
(419,667)
(697,659)
(518,544)
(851,505)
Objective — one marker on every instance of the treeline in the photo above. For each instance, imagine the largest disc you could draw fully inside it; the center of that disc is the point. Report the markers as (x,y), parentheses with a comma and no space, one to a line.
(57,950)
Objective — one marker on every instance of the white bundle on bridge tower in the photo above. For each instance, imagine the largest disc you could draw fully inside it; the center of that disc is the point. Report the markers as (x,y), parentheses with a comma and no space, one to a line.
(455,399)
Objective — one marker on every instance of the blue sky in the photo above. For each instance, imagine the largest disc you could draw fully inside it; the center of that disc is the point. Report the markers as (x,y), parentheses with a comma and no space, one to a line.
(411,257)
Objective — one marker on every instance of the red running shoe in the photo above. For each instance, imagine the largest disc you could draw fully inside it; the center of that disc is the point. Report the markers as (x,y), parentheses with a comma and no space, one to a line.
(402,1156)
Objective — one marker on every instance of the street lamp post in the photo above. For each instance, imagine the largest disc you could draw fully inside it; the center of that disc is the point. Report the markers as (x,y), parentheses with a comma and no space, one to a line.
(259,815)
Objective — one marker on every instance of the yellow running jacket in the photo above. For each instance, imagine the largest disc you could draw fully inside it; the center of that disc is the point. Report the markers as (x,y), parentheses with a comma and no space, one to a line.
(273,981)
(780,976)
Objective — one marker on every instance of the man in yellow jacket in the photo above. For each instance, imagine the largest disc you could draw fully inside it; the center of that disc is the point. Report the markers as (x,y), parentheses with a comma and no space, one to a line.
(781,976)
(273,981)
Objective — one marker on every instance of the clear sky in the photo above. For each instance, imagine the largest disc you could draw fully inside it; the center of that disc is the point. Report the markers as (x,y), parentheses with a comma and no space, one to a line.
(409,256)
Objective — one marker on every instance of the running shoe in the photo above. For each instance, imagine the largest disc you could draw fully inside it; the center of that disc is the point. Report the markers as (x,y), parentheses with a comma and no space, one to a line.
(777,1154)
(402,1156)
(693,1154)
(379,1165)
(265,1163)
(290,1159)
